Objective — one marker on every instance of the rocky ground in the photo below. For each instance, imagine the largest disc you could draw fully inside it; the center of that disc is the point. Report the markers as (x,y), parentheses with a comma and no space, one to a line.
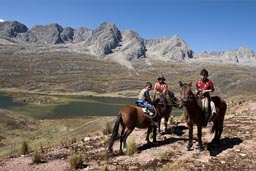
(236,150)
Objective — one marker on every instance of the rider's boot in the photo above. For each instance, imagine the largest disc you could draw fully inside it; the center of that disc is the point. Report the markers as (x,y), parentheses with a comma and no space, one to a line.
(144,110)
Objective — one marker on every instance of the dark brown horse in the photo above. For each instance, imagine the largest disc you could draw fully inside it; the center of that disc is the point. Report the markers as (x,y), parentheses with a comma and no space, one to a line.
(128,118)
(165,112)
(194,114)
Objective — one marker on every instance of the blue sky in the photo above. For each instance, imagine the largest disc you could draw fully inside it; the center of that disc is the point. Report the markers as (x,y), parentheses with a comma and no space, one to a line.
(211,25)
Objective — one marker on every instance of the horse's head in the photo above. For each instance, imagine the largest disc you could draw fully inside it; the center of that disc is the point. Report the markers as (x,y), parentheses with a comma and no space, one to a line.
(185,93)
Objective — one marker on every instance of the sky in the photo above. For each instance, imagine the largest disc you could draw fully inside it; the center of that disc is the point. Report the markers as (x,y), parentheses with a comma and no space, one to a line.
(210,25)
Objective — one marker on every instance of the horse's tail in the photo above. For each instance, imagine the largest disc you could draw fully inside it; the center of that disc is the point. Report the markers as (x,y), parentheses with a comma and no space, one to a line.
(222,110)
(114,132)
(214,128)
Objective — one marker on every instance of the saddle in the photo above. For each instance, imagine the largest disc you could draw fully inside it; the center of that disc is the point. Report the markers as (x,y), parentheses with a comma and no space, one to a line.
(141,104)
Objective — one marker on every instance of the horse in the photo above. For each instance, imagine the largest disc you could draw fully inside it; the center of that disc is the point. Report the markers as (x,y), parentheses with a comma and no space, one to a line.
(165,112)
(194,114)
(129,117)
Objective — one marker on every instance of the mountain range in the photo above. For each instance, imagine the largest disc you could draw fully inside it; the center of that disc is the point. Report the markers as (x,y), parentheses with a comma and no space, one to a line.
(107,41)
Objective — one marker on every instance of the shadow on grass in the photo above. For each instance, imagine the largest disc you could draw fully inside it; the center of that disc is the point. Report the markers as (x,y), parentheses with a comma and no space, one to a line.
(223,145)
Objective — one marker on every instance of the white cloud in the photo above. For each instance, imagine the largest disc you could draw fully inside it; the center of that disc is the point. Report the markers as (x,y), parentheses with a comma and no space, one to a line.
(1,20)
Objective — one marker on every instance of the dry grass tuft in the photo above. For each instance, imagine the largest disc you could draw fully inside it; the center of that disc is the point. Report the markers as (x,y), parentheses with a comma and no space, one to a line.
(36,157)
(76,161)
(131,147)
(24,148)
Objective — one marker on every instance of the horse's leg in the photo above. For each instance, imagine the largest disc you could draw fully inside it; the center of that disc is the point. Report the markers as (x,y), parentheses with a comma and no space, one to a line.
(218,131)
(159,126)
(148,132)
(121,140)
(190,136)
(166,118)
(199,136)
(126,134)
(154,134)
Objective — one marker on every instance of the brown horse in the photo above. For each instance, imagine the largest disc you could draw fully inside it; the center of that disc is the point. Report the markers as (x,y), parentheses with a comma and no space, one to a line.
(165,112)
(194,114)
(130,117)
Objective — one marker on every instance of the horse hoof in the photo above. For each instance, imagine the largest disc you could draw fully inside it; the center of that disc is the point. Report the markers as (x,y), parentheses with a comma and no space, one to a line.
(200,149)
(189,149)
(109,150)
(121,152)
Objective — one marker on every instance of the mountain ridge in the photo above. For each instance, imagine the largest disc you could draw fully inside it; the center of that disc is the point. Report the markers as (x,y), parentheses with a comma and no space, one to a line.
(107,39)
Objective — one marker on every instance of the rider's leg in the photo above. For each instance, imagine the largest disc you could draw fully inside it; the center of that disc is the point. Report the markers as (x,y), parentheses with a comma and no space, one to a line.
(168,99)
(205,107)
(162,100)
(213,110)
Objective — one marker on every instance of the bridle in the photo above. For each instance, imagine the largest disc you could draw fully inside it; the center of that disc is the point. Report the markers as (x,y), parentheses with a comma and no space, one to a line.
(191,98)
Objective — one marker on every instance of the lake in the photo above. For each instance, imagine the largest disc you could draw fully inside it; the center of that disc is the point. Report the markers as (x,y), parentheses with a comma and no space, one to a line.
(74,106)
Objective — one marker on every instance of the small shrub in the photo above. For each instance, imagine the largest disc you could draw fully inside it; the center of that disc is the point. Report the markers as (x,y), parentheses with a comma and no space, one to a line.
(24,148)
(247,112)
(13,151)
(104,166)
(173,166)
(106,139)
(131,147)
(36,158)
(108,129)
(41,148)
(73,140)
(76,161)
(162,156)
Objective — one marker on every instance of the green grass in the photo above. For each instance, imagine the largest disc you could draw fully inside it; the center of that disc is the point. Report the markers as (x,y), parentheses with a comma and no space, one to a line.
(49,133)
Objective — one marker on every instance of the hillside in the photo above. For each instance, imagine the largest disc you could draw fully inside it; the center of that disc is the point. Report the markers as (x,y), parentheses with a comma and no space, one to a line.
(235,151)
(59,72)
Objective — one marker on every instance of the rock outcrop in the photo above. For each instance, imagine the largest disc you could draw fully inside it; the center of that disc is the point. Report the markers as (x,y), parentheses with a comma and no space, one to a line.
(241,56)
(11,28)
(171,48)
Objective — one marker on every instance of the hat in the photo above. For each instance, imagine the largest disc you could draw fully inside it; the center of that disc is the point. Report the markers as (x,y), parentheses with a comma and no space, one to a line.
(161,77)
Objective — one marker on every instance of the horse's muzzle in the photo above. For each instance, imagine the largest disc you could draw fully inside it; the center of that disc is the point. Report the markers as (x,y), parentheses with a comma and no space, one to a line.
(183,102)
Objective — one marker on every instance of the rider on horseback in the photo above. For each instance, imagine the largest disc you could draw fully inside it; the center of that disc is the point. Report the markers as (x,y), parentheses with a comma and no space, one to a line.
(145,101)
(161,91)
(203,88)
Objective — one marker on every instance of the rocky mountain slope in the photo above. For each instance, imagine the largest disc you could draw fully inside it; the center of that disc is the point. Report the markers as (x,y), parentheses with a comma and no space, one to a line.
(107,39)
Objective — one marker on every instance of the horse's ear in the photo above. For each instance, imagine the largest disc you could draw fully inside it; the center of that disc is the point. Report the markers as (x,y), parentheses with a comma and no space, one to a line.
(190,84)
(181,84)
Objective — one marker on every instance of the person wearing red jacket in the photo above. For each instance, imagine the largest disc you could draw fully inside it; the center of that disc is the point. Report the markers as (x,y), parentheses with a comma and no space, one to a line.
(204,86)
(161,90)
